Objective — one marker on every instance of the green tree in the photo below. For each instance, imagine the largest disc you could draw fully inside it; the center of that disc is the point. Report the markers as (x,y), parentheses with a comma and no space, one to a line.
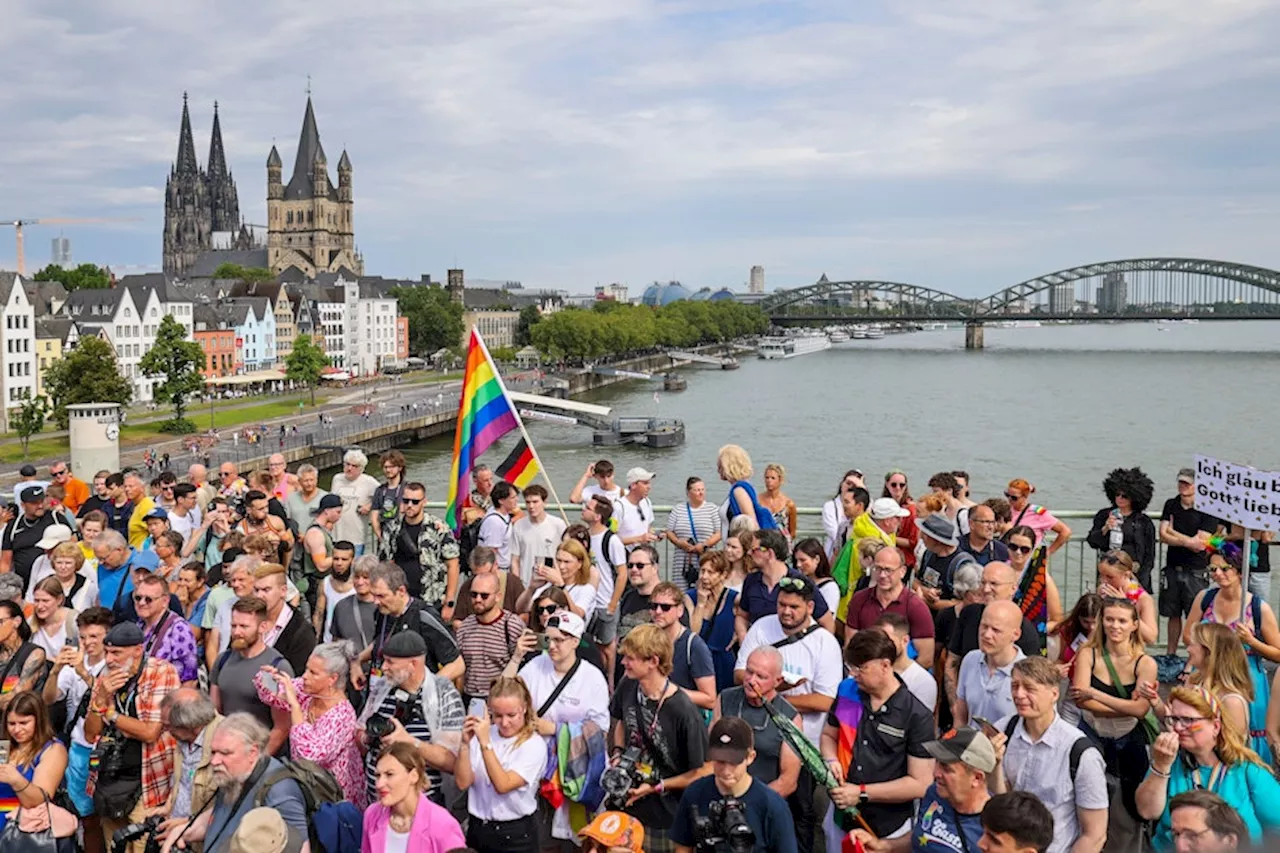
(435,321)
(250,274)
(86,374)
(306,363)
(30,419)
(178,362)
(530,316)
(83,277)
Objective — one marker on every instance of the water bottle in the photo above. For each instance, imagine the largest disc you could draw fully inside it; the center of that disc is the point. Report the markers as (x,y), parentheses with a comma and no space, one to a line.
(1116,537)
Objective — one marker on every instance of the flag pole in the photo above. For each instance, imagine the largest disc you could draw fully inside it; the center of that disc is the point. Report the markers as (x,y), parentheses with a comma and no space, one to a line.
(542,469)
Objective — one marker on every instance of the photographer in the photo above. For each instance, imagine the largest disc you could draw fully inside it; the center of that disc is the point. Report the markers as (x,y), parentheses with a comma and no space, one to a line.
(658,737)
(399,612)
(730,810)
(415,707)
(132,750)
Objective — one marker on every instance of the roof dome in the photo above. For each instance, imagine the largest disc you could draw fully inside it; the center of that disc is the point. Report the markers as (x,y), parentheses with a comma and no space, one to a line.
(702,295)
(722,294)
(672,291)
(651,294)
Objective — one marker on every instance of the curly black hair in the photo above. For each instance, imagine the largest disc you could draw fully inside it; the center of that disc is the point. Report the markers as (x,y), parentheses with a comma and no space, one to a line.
(1133,484)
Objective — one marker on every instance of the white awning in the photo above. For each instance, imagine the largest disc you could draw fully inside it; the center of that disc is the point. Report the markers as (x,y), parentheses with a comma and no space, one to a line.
(340,376)
(249,378)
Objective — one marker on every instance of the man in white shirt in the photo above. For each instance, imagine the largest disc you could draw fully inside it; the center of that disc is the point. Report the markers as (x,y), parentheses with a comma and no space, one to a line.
(184,517)
(918,679)
(356,489)
(602,472)
(635,511)
(74,669)
(495,530)
(812,666)
(983,688)
(536,536)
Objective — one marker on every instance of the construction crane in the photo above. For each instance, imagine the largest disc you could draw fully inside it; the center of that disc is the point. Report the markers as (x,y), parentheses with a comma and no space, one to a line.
(18,225)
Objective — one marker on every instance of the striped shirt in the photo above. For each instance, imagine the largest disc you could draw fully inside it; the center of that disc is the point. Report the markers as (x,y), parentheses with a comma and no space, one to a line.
(486,649)
(706,523)
(411,716)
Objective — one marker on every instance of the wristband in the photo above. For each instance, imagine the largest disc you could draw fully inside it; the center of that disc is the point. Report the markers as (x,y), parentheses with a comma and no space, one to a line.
(660,787)
(1154,772)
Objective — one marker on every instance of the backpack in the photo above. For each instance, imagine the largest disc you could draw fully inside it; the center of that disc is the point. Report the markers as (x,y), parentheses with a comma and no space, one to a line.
(764,518)
(334,824)
(469,540)
(1078,749)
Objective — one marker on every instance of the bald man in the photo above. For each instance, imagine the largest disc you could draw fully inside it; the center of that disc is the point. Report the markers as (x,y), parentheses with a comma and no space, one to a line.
(983,687)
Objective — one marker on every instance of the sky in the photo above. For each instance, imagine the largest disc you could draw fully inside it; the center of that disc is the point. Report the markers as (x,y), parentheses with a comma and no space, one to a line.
(965,145)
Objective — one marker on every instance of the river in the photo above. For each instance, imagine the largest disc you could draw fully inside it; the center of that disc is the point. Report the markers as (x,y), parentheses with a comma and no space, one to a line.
(1057,405)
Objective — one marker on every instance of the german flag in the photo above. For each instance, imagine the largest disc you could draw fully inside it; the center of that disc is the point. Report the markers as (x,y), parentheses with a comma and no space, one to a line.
(520,466)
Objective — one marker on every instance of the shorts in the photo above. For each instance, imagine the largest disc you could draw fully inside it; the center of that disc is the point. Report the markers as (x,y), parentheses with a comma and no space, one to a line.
(603,627)
(78,779)
(1178,590)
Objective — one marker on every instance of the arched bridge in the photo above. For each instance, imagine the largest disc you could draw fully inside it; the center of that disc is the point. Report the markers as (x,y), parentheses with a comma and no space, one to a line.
(1136,289)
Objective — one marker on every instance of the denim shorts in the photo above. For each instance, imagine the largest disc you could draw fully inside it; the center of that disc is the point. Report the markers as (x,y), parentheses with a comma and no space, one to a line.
(78,778)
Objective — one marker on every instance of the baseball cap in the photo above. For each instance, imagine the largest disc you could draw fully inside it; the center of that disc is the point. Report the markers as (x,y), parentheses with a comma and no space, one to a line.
(1187,475)
(882,508)
(330,502)
(158,512)
(568,622)
(730,740)
(639,475)
(263,830)
(941,528)
(615,829)
(54,534)
(966,745)
(31,494)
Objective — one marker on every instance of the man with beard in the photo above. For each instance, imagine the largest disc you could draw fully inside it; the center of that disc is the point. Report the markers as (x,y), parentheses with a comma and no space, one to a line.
(398,612)
(424,710)
(136,492)
(303,503)
(124,708)
(288,632)
(334,589)
(317,545)
(22,535)
(240,765)
(258,519)
(231,678)
(353,616)
(423,546)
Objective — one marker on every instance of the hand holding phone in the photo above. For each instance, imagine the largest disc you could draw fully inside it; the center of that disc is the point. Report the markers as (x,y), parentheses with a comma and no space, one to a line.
(478,709)
(988,728)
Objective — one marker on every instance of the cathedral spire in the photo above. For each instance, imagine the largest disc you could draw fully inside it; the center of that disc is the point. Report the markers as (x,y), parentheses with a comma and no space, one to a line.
(186,163)
(217,165)
(309,147)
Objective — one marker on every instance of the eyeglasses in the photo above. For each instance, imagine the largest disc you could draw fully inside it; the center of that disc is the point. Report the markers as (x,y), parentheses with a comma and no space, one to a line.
(483,596)
(1020,549)
(637,565)
(758,549)
(663,606)
(224,473)
(145,599)
(411,501)
(982,521)
(1175,723)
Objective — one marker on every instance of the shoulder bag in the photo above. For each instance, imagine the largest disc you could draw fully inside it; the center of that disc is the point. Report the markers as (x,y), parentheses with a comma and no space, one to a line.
(1148,722)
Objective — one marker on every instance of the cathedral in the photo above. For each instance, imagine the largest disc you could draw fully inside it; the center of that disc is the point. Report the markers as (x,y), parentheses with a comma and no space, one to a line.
(199,203)
(309,224)
(309,219)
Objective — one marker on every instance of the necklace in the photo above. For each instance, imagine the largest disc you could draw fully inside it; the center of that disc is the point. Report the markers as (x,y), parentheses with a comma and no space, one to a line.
(401,823)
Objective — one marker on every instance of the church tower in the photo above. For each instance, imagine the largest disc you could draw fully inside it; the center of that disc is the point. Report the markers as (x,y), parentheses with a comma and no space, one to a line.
(309,220)
(187,218)
(224,204)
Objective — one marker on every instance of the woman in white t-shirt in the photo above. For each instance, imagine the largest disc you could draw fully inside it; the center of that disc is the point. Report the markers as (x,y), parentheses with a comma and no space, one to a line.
(584,697)
(51,623)
(502,771)
(574,572)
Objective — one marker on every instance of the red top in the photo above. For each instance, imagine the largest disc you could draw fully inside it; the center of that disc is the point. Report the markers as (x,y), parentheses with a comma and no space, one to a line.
(865,609)
(909,535)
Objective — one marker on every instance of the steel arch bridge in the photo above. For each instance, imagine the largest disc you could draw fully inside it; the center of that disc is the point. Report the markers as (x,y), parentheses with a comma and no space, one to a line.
(1140,288)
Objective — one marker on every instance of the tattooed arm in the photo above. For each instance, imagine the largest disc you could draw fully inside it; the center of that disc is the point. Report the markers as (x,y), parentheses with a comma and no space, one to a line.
(31,671)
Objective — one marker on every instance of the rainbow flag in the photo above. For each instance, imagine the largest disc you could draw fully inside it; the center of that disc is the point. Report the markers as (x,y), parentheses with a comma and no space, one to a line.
(484,415)
(520,466)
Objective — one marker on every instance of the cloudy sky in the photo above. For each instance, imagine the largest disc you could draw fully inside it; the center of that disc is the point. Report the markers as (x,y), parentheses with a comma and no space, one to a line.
(965,145)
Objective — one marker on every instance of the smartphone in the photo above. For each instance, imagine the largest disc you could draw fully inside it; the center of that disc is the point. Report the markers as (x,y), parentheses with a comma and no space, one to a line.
(478,709)
(549,562)
(73,642)
(988,728)
(4,751)
(542,642)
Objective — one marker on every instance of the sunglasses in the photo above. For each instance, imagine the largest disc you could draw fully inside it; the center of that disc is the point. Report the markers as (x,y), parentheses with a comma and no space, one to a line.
(1020,549)
(1011,496)
(224,473)
(145,599)
(411,501)
(637,565)
(893,485)
(663,606)
(483,596)
(795,584)
(58,473)
(548,609)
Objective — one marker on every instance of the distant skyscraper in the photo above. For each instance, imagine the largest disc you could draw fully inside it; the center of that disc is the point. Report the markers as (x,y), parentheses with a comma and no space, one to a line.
(1062,298)
(756,284)
(1113,296)
(60,254)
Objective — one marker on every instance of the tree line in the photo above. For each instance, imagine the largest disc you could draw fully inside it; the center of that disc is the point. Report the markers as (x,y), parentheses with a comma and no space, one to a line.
(609,328)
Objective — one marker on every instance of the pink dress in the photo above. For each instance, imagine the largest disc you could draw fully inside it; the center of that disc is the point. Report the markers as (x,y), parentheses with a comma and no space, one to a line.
(330,741)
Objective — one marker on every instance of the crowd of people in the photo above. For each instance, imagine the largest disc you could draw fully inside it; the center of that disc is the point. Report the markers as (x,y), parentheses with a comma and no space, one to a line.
(249,662)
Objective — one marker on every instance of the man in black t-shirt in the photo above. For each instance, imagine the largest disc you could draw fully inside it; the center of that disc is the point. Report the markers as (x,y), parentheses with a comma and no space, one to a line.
(651,714)
(398,612)
(1185,530)
(21,541)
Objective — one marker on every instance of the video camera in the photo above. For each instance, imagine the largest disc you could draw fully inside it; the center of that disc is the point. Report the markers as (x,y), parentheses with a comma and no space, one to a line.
(724,824)
(122,837)
(619,779)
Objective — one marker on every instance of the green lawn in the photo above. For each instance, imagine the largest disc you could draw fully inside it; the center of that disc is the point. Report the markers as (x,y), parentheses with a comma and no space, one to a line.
(222,419)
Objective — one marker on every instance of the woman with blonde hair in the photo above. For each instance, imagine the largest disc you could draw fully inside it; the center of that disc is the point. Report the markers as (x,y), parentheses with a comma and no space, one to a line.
(52,624)
(1118,578)
(1112,664)
(502,770)
(80,590)
(1197,751)
(734,467)
(779,505)
(1221,668)
(574,572)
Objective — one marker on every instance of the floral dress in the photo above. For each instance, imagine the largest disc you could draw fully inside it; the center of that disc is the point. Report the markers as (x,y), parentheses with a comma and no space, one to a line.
(330,741)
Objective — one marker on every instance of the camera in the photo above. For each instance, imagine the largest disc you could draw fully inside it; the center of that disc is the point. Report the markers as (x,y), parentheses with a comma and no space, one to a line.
(126,834)
(380,725)
(110,754)
(619,779)
(725,825)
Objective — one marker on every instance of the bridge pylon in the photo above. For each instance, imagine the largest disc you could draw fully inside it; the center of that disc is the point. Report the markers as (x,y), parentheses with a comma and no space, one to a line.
(974,334)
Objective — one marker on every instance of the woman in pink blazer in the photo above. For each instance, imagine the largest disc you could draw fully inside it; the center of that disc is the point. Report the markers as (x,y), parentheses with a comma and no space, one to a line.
(402,819)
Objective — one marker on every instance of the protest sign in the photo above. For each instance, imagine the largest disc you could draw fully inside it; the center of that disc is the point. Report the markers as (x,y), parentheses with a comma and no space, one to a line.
(1240,494)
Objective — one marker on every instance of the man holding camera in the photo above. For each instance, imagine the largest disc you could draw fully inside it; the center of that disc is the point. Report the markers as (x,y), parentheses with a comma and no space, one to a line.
(658,737)
(411,705)
(718,811)
(134,753)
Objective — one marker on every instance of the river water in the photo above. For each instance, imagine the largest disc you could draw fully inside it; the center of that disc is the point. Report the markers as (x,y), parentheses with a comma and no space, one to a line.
(1057,405)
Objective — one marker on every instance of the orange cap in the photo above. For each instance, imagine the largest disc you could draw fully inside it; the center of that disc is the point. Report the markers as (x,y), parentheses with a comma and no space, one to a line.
(615,829)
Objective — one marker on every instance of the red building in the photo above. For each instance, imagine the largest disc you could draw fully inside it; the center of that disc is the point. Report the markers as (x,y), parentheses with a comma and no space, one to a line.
(217,337)
(402,338)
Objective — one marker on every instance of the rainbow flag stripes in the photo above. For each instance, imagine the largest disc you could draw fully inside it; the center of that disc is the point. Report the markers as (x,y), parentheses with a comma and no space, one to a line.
(484,415)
